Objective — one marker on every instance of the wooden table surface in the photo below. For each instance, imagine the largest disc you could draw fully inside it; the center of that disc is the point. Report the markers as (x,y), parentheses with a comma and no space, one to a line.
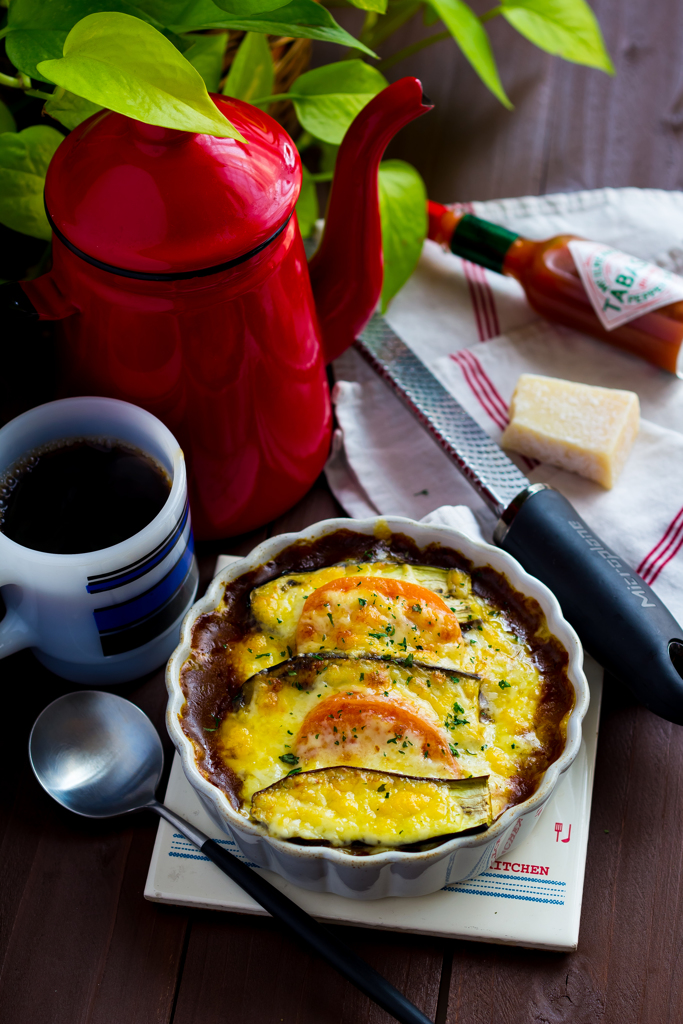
(78,942)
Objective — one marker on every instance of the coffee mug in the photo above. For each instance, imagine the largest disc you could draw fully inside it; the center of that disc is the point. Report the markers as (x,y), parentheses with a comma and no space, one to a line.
(106,616)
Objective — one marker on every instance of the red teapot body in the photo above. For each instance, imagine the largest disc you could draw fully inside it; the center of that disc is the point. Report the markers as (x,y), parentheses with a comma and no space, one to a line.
(181,284)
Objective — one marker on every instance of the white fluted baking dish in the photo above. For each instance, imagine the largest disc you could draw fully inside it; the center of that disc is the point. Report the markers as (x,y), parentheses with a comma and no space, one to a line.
(390,872)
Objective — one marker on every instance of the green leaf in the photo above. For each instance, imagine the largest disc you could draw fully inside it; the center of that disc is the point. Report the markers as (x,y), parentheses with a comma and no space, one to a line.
(371,5)
(242,7)
(470,35)
(328,98)
(567,28)
(301,19)
(123,63)
(24,160)
(7,122)
(307,205)
(403,212)
(251,73)
(68,108)
(206,56)
(37,30)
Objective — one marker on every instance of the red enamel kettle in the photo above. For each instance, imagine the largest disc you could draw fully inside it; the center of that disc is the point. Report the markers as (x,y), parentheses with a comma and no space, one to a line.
(181,284)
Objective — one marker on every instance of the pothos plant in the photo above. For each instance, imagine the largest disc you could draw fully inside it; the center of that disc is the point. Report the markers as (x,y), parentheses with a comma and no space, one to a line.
(157,61)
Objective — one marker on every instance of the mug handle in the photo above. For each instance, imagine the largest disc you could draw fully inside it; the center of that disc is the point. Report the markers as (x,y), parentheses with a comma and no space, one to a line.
(15,633)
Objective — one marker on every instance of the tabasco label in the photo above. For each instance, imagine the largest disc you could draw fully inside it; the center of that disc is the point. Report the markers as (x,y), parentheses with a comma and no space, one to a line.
(622,287)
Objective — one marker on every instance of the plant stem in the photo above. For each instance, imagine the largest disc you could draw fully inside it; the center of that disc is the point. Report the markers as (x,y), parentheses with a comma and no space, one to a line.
(22,81)
(408,51)
(493,13)
(402,12)
(10,82)
(4,31)
(322,176)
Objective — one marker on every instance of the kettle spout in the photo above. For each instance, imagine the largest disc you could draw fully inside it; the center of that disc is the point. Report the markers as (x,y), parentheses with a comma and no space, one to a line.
(347,270)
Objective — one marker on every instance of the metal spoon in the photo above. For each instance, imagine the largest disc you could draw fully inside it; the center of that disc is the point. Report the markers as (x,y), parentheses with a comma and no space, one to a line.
(99,755)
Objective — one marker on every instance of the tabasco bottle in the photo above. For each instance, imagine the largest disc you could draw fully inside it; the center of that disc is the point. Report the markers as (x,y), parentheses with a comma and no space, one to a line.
(620,299)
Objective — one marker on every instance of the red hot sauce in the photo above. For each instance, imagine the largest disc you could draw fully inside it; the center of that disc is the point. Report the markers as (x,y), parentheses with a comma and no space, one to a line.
(623,300)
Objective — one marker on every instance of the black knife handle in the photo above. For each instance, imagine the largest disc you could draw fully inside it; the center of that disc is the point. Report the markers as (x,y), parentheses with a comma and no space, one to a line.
(619,619)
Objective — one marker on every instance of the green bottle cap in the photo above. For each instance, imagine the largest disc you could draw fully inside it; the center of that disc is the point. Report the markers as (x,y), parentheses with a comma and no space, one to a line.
(481,242)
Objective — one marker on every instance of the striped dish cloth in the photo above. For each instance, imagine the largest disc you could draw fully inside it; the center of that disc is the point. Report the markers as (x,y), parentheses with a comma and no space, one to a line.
(476,332)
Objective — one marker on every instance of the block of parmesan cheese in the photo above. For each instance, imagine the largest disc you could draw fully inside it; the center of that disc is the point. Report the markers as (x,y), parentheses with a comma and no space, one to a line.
(586,430)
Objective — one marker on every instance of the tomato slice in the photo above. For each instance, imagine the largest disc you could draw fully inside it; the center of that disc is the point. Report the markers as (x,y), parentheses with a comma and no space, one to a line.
(372,731)
(376,615)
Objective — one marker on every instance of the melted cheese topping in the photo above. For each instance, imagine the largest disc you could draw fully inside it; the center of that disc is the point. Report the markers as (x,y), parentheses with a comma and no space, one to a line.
(343,805)
(365,665)
(363,614)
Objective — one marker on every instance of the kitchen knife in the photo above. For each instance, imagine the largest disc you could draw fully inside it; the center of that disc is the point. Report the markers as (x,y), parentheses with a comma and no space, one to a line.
(620,620)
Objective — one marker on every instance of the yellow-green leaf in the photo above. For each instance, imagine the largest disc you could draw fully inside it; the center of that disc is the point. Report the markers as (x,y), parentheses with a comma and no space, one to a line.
(307,205)
(470,35)
(24,159)
(328,98)
(567,28)
(37,29)
(251,72)
(68,108)
(124,64)
(206,55)
(403,213)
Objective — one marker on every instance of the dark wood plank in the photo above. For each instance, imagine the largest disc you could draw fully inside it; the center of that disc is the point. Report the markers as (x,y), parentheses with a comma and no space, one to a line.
(251,971)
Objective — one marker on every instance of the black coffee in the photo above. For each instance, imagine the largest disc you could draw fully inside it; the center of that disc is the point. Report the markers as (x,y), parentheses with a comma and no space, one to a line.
(81,496)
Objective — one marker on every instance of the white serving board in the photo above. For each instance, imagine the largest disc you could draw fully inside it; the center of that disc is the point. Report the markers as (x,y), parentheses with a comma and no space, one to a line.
(507,903)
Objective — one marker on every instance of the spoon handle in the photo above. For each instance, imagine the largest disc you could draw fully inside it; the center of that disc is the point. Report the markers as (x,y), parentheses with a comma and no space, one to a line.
(320,940)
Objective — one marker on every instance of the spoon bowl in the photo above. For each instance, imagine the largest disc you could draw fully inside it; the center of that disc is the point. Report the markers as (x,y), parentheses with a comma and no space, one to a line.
(96,754)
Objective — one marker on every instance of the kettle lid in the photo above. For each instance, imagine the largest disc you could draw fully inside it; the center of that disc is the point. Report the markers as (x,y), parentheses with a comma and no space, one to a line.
(156,200)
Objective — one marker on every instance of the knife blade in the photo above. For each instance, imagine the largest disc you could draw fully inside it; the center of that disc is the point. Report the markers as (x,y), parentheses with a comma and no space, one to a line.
(619,619)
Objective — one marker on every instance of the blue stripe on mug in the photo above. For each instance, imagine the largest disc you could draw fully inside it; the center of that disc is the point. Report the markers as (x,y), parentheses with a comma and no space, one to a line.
(117,616)
(129,573)
(119,641)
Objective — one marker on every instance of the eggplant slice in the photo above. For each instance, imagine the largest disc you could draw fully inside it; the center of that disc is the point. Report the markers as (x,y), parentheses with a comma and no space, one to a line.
(343,805)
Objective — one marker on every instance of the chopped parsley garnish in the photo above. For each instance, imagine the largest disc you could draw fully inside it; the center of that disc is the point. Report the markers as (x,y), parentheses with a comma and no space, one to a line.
(417,608)
(390,630)
(362,602)
(294,771)
(289,758)
(329,615)
(217,722)
(454,752)
(380,789)
(409,659)
(266,655)
(504,685)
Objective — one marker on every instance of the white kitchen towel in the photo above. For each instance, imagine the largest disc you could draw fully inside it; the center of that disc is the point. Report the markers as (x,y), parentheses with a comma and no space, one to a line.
(476,332)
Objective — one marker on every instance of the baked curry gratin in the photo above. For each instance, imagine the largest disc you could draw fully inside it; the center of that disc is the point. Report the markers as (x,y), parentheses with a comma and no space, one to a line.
(363,693)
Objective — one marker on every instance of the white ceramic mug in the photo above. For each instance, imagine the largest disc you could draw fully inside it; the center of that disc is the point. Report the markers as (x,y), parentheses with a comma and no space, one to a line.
(104,616)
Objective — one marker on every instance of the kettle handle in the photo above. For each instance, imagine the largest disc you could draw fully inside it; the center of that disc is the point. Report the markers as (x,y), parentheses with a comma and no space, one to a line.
(26,345)
(15,306)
